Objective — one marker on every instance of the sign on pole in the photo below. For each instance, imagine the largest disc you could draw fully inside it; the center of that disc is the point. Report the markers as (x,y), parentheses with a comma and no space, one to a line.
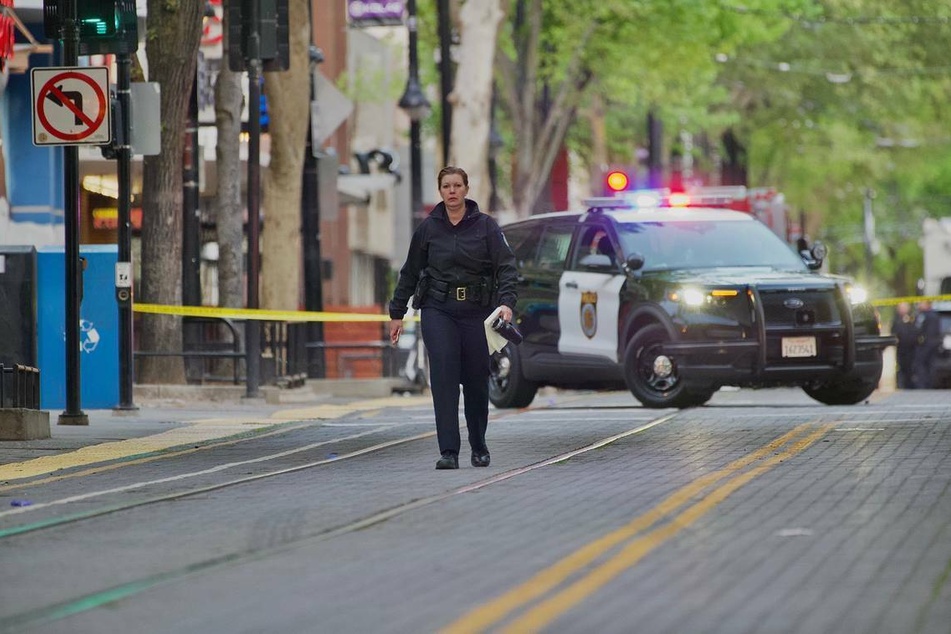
(71,106)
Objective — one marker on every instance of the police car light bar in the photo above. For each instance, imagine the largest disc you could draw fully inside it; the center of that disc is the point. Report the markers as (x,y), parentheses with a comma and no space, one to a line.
(644,198)
(607,202)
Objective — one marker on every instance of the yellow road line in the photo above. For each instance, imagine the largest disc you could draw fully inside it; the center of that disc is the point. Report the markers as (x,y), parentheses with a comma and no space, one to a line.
(556,605)
(490,613)
(127,463)
(195,432)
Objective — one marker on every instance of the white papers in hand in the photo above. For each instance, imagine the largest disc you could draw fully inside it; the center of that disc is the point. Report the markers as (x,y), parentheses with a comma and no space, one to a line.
(495,340)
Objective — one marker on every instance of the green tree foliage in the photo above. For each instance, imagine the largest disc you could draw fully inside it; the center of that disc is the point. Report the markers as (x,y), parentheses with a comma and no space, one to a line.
(850,98)
(829,98)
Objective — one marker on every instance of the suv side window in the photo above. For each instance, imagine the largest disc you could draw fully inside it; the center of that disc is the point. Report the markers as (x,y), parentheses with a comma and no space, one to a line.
(524,242)
(593,240)
(553,246)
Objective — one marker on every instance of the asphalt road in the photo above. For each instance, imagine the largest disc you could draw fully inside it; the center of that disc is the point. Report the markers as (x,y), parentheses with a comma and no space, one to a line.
(760,512)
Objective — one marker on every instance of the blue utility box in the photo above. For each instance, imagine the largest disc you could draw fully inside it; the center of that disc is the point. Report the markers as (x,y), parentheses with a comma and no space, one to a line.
(99,328)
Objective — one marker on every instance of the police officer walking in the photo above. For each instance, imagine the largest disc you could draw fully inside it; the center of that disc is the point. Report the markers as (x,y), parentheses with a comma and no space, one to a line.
(459,269)
(903,327)
(929,345)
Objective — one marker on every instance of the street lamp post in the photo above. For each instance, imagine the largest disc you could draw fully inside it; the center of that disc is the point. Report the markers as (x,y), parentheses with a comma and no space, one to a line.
(415,104)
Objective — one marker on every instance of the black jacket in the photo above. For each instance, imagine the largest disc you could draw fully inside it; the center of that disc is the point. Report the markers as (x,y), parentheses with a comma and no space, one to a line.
(459,255)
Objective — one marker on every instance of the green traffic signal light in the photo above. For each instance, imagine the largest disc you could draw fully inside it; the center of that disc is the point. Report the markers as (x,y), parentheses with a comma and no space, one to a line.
(105,26)
(97,18)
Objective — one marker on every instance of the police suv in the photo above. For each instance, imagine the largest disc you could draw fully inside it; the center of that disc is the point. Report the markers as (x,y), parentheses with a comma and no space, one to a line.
(673,301)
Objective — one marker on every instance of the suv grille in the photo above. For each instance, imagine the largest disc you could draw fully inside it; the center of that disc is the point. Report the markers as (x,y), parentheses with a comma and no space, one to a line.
(803,313)
(800,308)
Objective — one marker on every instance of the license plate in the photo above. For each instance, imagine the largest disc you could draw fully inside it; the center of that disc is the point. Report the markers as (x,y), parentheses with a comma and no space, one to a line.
(799,346)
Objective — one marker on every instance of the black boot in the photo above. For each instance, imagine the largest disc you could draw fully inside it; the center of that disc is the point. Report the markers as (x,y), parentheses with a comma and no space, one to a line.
(480,458)
(448,460)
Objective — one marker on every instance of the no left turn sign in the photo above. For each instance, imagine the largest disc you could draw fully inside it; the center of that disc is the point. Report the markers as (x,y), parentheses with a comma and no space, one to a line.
(71,106)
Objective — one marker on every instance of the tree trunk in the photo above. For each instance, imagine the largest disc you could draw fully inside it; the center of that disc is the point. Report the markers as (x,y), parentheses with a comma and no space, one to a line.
(472,93)
(172,48)
(539,132)
(599,145)
(228,206)
(288,98)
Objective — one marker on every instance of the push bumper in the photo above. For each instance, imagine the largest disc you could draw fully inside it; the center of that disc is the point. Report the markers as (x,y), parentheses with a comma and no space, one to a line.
(746,362)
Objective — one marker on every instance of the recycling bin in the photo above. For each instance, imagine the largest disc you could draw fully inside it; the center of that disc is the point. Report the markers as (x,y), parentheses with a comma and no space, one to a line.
(98,326)
(17,305)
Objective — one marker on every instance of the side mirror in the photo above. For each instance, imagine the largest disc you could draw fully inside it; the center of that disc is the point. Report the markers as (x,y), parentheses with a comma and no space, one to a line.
(814,256)
(635,262)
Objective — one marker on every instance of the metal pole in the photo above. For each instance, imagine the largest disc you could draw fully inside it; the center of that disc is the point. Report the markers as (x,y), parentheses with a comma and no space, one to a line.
(252,326)
(310,226)
(416,177)
(868,234)
(124,175)
(73,414)
(445,75)
(191,232)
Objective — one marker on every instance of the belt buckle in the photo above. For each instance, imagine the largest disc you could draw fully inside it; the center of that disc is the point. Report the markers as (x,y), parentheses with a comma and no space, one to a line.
(461,293)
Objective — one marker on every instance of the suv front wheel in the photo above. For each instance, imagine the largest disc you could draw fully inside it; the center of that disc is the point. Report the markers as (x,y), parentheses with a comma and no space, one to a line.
(652,376)
(507,387)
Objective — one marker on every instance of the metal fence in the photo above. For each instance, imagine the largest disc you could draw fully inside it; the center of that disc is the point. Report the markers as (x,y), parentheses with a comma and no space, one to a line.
(19,387)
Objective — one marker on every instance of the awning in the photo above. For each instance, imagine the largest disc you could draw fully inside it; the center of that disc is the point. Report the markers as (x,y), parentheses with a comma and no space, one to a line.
(356,189)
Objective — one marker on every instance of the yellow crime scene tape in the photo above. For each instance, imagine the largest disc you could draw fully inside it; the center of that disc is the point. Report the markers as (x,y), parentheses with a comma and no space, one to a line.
(914,299)
(260,314)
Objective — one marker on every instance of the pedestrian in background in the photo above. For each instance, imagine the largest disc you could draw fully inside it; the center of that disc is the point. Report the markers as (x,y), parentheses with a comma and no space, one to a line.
(928,326)
(903,327)
(459,269)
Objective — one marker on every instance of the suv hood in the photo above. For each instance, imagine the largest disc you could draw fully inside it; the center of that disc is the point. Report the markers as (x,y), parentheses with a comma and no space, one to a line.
(762,277)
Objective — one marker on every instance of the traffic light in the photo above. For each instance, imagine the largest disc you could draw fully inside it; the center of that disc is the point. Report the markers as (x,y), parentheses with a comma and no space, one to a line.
(105,26)
(272,27)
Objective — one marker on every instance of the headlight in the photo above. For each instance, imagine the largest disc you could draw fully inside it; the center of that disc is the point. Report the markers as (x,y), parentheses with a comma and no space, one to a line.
(697,297)
(857,294)
(693,297)
(689,296)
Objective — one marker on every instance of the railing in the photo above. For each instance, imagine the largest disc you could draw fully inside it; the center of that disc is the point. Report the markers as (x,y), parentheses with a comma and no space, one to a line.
(283,351)
(351,351)
(26,387)
(288,353)
(208,348)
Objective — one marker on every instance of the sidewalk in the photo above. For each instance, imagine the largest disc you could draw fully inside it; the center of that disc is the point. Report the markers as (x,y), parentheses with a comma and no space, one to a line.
(188,416)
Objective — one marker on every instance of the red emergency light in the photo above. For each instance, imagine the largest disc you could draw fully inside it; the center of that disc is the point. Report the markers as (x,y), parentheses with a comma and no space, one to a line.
(617,181)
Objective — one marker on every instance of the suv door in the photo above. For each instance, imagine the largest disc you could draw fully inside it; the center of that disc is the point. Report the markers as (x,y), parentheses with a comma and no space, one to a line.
(538,286)
(589,294)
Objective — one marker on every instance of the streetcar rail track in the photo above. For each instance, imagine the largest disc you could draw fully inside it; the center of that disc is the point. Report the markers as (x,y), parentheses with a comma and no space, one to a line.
(83,603)
(109,509)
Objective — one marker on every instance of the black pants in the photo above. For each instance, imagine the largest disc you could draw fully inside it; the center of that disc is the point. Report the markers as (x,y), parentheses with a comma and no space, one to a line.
(458,354)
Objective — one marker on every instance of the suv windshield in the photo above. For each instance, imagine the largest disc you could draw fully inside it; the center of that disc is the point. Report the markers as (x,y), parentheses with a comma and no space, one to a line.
(704,244)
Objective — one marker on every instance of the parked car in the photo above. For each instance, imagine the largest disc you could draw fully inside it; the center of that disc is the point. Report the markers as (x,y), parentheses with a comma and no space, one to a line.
(674,302)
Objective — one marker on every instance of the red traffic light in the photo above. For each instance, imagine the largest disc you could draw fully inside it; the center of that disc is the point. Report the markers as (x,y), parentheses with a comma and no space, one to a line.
(617,181)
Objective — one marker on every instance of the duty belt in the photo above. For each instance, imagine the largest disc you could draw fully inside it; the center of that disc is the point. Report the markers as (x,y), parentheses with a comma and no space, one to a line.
(469,292)
(444,291)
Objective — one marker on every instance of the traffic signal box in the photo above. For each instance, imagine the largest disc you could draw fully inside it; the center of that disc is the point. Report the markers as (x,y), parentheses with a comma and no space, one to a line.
(105,26)
(273,34)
